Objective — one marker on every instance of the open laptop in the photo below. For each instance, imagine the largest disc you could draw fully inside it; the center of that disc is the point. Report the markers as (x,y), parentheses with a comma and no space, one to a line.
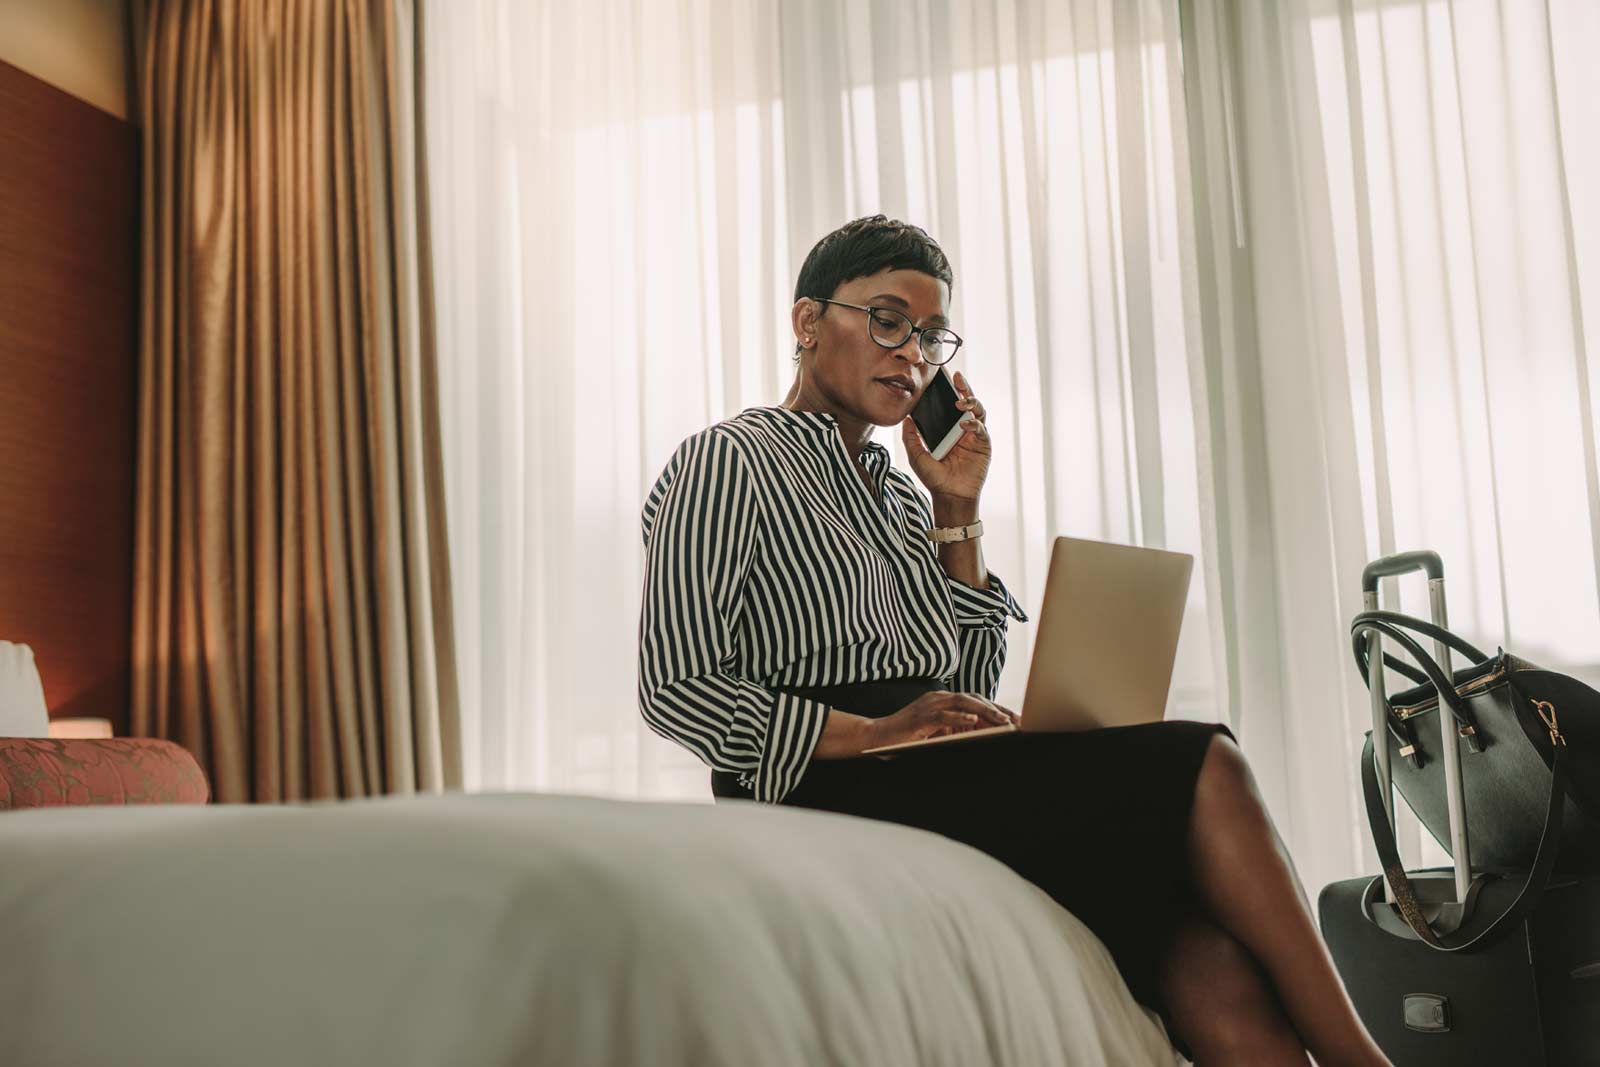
(1107,641)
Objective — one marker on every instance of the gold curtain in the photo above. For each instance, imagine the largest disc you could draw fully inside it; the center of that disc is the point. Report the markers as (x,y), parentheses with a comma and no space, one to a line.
(292,590)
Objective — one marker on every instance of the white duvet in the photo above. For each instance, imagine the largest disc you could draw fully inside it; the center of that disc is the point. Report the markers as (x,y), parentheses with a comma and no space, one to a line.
(537,929)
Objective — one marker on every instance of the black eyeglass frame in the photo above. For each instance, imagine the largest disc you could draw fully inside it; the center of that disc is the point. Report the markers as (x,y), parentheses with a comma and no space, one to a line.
(914,330)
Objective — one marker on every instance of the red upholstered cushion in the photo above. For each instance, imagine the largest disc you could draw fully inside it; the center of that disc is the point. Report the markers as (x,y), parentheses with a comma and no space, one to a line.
(35,772)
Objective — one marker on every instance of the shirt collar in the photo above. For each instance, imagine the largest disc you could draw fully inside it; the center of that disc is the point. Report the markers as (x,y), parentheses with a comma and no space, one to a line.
(801,421)
(813,422)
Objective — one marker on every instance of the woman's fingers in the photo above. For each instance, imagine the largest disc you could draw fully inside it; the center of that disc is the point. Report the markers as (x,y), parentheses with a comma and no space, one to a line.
(957,720)
(962,711)
(987,711)
(1003,716)
(968,402)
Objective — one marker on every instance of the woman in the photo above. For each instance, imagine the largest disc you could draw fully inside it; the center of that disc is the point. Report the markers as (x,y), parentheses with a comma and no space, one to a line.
(795,612)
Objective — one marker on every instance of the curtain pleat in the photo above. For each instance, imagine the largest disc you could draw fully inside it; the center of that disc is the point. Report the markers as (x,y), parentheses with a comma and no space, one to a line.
(1138,277)
(1244,599)
(292,586)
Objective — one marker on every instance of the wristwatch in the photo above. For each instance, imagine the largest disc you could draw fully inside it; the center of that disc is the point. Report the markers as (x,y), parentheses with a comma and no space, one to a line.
(944,534)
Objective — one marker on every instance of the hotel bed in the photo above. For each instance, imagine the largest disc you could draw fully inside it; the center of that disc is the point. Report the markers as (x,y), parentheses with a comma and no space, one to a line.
(537,929)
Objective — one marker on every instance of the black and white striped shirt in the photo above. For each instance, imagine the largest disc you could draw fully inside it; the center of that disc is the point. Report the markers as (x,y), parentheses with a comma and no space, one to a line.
(768,564)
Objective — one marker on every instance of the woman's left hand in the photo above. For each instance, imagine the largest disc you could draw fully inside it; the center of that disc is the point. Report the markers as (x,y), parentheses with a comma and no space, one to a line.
(960,475)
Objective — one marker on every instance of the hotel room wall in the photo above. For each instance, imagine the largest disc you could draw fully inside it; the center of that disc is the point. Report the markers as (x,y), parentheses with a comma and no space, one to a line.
(80,46)
(69,184)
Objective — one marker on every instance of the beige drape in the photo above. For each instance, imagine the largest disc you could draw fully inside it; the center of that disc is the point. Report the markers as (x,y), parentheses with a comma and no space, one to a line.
(291,605)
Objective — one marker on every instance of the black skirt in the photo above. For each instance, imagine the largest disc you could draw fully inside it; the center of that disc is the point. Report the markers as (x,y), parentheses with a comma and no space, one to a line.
(1098,819)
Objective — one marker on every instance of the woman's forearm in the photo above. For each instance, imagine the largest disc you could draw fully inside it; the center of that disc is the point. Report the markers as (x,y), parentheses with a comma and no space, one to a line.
(843,735)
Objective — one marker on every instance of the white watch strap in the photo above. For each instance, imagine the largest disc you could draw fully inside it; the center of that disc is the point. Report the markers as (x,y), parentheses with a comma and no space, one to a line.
(946,534)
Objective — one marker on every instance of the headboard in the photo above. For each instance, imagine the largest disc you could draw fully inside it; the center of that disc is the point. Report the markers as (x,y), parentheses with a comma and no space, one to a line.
(69,203)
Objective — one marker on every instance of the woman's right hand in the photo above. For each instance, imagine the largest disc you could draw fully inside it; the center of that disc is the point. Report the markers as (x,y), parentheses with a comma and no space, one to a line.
(933,715)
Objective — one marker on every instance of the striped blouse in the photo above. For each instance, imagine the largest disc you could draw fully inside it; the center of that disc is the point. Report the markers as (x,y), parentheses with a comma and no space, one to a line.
(769,564)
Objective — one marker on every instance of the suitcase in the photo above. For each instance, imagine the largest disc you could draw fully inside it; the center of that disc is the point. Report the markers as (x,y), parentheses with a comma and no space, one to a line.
(1524,990)
(1532,997)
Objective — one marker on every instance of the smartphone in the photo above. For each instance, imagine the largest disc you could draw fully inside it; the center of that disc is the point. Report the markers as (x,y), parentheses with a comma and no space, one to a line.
(937,417)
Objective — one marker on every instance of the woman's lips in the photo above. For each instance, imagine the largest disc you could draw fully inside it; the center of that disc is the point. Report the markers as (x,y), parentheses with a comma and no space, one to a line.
(903,392)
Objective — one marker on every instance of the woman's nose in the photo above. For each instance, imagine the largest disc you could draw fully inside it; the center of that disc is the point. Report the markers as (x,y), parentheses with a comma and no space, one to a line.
(911,348)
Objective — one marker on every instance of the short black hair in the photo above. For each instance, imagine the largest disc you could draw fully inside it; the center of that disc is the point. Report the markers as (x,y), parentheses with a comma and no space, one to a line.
(866,246)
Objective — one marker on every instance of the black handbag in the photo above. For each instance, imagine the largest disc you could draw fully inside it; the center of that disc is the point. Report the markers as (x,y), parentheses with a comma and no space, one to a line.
(1530,767)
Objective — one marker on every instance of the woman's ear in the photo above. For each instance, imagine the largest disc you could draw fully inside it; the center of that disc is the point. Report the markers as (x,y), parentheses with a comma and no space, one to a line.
(803,316)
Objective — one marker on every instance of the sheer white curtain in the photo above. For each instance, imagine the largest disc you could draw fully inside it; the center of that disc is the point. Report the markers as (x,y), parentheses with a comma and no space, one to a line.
(1398,242)
(623,196)
(1318,285)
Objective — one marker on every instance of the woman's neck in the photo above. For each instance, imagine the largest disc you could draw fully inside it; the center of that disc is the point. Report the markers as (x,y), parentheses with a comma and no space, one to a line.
(857,433)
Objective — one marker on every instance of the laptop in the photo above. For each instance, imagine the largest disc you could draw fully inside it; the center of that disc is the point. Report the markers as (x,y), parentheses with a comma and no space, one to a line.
(1107,641)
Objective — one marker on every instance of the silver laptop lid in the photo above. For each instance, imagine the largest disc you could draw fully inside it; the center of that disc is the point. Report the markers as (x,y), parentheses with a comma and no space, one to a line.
(1108,635)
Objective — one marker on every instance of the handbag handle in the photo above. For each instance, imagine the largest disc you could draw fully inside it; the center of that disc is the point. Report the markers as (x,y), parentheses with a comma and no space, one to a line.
(1421,626)
(1405,896)
(1394,625)
(1394,663)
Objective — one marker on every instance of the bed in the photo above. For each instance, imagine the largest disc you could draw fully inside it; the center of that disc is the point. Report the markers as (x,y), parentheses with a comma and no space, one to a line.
(537,929)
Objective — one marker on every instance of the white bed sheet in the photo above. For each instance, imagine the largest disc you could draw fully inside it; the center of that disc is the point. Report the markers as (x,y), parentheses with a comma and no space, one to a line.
(537,929)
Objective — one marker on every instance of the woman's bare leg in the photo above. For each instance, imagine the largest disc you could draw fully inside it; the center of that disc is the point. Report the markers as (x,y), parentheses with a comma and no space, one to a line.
(1221,1005)
(1247,882)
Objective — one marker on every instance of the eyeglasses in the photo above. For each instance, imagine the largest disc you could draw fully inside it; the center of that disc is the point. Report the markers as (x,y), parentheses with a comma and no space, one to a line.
(890,329)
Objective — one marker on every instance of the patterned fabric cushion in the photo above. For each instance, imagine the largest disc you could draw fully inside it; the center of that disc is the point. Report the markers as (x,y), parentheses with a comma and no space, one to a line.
(37,773)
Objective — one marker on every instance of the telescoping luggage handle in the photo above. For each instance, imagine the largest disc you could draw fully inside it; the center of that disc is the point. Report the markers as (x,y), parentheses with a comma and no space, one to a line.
(1392,566)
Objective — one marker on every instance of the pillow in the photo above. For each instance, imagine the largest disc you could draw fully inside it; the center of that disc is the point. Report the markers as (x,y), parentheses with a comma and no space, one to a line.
(22,710)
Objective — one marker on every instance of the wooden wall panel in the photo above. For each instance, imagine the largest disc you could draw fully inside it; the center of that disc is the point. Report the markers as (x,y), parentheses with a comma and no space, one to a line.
(69,209)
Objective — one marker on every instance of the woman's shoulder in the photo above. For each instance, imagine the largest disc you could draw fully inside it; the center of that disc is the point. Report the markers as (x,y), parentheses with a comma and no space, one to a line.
(734,438)
(772,424)
(749,437)
(727,451)
(757,443)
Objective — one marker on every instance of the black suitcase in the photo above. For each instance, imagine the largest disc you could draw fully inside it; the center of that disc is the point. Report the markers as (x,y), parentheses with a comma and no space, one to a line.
(1527,994)
(1531,998)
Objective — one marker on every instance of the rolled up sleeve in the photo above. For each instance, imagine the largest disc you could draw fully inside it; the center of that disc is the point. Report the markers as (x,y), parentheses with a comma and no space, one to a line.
(985,607)
(981,632)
